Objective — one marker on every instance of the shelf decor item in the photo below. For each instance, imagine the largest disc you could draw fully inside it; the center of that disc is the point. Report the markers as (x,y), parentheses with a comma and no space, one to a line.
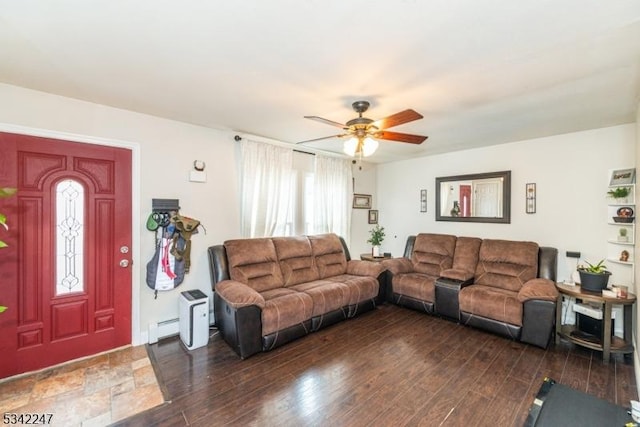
(620,194)
(623,176)
(594,277)
(622,235)
(624,256)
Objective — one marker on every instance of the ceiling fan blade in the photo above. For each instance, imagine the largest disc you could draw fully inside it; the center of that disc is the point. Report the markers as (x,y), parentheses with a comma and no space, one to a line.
(320,139)
(326,121)
(400,137)
(402,117)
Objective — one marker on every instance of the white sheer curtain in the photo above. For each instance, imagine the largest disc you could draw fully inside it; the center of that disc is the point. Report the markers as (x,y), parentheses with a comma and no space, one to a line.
(266,189)
(332,196)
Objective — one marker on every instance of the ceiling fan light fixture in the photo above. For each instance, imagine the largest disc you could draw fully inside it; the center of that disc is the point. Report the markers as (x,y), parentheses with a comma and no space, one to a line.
(364,146)
(350,146)
(369,146)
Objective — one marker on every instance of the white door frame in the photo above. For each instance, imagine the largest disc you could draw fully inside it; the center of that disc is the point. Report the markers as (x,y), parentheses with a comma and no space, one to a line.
(135,203)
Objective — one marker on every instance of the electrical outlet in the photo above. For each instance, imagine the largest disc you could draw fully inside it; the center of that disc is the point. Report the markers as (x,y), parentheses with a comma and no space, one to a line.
(573,254)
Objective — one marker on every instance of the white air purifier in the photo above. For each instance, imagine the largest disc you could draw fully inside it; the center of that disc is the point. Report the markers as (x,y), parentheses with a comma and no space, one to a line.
(194,319)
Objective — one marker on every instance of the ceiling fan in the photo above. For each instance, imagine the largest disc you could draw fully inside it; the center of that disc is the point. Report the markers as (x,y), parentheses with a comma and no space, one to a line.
(362,130)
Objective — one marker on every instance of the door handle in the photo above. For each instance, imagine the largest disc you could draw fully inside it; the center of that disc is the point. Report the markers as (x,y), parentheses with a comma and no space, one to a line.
(124,263)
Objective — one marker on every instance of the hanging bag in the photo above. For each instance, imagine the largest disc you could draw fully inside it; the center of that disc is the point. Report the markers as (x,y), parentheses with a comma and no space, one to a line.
(164,270)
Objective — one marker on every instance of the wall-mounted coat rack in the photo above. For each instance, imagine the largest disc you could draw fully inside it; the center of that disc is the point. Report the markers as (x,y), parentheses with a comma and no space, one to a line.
(165,205)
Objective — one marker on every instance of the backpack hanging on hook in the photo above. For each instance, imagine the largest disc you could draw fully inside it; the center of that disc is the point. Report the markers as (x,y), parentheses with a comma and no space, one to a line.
(184,227)
(164,270)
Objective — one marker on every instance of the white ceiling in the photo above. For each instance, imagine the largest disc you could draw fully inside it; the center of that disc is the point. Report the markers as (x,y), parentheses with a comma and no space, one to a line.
(481,72)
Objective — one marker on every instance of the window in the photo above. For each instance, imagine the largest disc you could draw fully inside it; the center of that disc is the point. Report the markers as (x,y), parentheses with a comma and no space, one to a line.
(286,193)
(69,207)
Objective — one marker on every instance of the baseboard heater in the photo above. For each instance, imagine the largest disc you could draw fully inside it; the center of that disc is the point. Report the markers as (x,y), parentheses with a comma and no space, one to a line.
(166,329)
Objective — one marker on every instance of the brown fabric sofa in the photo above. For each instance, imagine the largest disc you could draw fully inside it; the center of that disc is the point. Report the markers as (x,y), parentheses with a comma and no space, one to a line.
(269,291)
(506,287)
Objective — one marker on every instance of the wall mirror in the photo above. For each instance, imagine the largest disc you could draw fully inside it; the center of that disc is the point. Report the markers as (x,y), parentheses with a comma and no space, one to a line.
(481,197)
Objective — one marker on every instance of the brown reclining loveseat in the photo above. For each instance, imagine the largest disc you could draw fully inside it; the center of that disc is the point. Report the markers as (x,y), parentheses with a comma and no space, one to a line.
(503,286)
(269,291)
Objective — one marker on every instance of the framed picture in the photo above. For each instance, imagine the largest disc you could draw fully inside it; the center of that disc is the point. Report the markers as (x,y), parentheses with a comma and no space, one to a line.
(423,200)
(623,176)
(373,217)
(362,201)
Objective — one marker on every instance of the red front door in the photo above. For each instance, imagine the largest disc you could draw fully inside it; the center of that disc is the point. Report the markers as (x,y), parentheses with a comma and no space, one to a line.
(61,276)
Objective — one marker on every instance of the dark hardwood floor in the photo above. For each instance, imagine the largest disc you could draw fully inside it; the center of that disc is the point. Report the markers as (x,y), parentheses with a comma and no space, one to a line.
(392,366)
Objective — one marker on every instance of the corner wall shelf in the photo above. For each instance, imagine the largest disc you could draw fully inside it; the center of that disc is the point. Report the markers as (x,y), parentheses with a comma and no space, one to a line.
(616,249)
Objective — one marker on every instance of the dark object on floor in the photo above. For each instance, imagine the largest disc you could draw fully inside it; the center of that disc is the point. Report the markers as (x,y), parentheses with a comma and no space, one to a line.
(559,405)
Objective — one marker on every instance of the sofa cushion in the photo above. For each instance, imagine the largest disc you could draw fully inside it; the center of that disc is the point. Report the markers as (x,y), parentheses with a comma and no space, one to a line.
(415,285)
(296,260)
(326,295)
(329,254)
(254,262)
(506,264)
(283,308)
(433,253)
(361,288)
(490,302)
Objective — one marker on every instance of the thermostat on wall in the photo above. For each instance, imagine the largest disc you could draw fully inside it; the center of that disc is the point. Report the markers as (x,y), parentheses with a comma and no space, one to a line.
(197,176)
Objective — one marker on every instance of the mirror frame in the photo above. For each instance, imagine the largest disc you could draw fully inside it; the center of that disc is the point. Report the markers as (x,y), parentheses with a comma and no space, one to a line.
(506,197)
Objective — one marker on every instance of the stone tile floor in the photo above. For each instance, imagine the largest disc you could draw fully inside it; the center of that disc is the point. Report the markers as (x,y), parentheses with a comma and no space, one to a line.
(91,392)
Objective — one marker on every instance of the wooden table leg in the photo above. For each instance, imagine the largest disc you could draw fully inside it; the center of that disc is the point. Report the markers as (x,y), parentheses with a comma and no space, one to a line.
(558,318)
(606,332)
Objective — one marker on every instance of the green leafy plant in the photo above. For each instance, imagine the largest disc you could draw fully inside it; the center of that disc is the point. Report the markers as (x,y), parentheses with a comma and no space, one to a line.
(5,192)
(376,235)
(598,268)
(619,192)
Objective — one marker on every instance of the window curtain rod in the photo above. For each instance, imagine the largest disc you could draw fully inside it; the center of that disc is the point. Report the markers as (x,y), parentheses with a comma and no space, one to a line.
(239,138)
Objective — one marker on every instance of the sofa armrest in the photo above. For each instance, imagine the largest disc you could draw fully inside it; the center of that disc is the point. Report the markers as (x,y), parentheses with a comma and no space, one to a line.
(238,294)
(458,274)
(364,268)
(398,265)
(538,289)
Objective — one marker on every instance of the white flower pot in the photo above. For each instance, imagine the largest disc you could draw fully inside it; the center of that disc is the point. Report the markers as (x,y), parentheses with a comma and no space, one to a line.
(375,251)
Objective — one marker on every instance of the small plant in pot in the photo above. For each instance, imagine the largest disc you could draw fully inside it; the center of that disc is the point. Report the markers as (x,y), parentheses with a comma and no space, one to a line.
(622,235)
(376,237)
(594,277)
(619,193)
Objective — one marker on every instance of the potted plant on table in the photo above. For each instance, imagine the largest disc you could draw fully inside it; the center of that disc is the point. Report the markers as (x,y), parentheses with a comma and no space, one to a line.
(376,238)
(594,278)
(5,192)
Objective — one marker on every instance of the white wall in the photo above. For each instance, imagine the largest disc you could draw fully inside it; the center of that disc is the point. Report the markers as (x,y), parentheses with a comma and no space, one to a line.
(571,172)
(364,179)
(165,151)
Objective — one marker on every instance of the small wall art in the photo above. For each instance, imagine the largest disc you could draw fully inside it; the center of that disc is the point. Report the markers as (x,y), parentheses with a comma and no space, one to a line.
(362,201)
(423,200)
(530,198)
(373,216)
